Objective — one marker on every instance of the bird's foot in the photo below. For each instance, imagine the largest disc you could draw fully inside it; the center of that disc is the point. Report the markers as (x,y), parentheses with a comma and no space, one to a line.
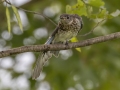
(66,43)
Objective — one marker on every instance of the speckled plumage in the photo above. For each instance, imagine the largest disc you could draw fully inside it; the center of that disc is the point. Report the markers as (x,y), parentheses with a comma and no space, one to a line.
(69,25)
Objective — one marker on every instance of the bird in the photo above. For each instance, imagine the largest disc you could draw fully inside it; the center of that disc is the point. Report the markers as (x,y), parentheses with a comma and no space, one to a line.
(69,25)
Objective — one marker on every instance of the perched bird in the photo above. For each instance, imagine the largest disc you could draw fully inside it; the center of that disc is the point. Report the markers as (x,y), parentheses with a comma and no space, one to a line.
(68,26)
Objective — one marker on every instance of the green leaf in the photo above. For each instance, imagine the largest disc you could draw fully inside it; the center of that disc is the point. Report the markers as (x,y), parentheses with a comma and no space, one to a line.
(18,17)
(8,19)
(89,10)
(74,39)
(68,9)
(103,13)
(79,8)
(96,3)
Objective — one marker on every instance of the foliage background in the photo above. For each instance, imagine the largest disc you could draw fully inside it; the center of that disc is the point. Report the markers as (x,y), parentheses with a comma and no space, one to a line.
(97,67)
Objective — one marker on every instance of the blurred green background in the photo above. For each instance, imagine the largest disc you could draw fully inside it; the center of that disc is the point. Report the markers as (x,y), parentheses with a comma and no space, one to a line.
(97,67)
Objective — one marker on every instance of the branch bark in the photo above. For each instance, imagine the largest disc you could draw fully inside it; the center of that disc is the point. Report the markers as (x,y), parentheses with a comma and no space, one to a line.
(55,47)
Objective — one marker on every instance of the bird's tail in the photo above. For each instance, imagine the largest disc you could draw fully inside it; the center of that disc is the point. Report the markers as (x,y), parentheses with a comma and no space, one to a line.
(43,58)
(40,63)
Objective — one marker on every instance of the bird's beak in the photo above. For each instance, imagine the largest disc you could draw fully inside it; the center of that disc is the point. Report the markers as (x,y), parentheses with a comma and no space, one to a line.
(70,22)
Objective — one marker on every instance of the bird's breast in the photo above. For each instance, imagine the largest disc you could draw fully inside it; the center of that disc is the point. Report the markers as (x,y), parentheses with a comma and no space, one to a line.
(65,35)
(66,32)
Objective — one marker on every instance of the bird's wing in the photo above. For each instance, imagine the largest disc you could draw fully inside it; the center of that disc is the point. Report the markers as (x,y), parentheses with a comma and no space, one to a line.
(51,38)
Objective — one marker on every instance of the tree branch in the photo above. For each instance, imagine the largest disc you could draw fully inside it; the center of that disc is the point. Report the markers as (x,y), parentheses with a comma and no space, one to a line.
(54,47)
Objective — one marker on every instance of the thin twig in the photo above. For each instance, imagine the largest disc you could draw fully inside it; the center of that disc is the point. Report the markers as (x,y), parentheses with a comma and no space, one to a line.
(94,28)
(33,12)
(38,14)
(91,31)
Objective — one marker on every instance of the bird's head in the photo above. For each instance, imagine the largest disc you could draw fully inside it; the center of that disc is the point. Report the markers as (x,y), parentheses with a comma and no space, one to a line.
(66,18)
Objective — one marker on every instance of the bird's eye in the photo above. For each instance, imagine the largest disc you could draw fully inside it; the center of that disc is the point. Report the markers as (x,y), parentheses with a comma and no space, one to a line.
(68,17)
